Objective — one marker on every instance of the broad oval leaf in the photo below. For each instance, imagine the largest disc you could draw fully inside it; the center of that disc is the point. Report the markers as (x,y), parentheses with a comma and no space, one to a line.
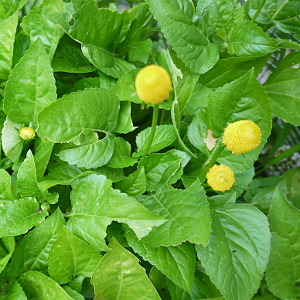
(247,39)
(238,250)
(85,111)
(33,251)
(70,257)
(19,216)
(90,156)
(119,276)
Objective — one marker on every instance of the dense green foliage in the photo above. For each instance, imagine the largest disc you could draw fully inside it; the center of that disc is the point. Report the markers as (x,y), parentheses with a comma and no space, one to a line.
(89,209)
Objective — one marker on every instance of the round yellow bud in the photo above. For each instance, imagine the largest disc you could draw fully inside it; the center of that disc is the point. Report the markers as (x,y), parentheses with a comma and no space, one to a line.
(153,84)
(220,178)
(27,133)
(242,136)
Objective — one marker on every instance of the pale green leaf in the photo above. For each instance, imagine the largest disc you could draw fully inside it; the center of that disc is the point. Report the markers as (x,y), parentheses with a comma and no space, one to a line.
(33,251)
(140,51)
(285,248)
(18,216)
(95,204)
(238,250)
(119,276)
(79,113)
(186,211)
(31,86)
(121,157)
(247,39)
(177,263)
(39,286)
(12,143)
(189,43)
(161,168)
(164,136)
(70,257)
(134,184)
(90,156)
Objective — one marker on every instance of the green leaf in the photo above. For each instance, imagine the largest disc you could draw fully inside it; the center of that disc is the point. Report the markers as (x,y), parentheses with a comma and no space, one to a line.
(70,257)
(79,113)
(38,24)
(189,43)
(242,180)
(125,122)
(5,186)
(238,250)
(286,44)
(165,135)
(114,26)
(140,51)
(19,216)
(31,86)
(244,99)
(33,251)
(161,168)
(69,58)
(9,243)
(42,157)
(186,211)
(95,205)
(134,184)
(229,69)
(39,286)
(119,276)
(230,12)
(90,156)
(16,292)
(177,263)
(121,157)
(11,141)
(7,38)
(74,294)
(27,179)
(285,248)
(106,62)
(283,88)
(247,39)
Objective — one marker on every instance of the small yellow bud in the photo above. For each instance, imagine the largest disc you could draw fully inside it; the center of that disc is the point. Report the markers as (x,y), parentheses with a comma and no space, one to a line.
(27,133)
(153,84)
(220,178)
(242,136)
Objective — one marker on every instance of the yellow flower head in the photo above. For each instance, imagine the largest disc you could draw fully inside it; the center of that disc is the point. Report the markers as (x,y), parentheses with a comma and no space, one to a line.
(242,136)
(27,133)
(220,178)
(153,84)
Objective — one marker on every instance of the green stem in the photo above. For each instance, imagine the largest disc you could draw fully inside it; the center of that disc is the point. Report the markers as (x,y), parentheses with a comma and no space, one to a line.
(261,4)
(153,129)
(212,158)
